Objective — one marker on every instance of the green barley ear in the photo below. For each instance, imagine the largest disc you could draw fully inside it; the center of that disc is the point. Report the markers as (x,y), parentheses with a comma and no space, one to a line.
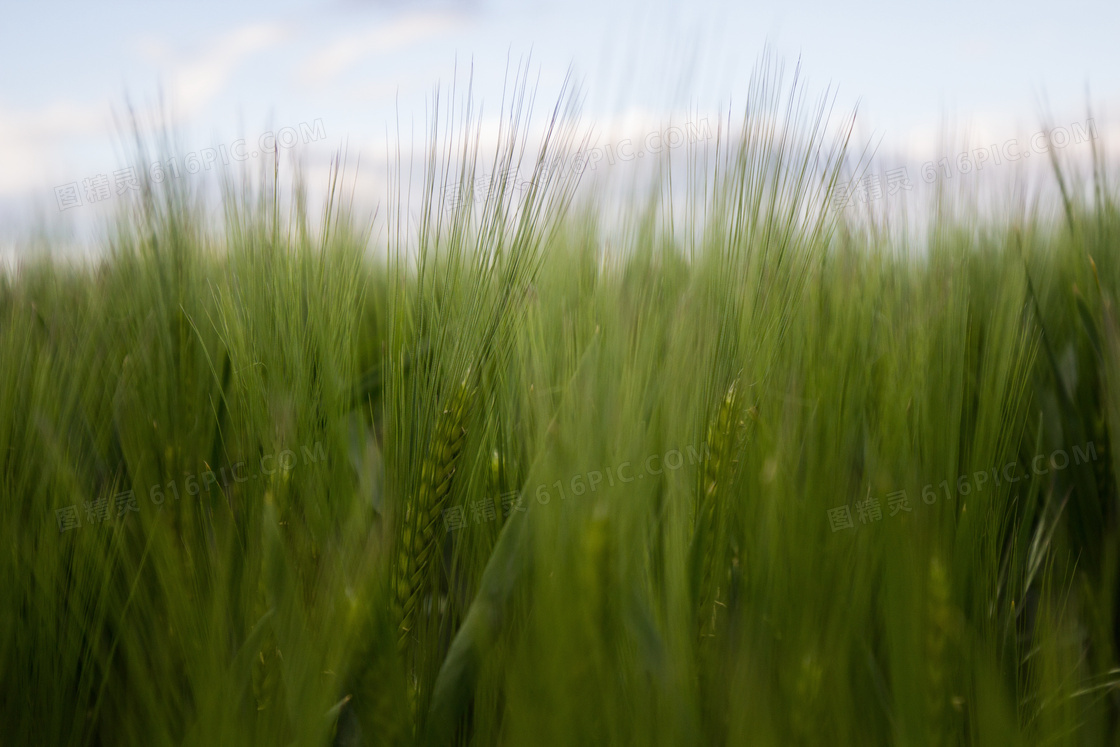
(268,684)
(270,694)
(720,434)
(938,622)
(494,481)
(419,544)
(709,535)
(806,695)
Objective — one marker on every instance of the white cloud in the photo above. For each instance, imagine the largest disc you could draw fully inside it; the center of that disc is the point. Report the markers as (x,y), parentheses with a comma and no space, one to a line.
(33,142)
(405,31)
(30,140)
(196,83)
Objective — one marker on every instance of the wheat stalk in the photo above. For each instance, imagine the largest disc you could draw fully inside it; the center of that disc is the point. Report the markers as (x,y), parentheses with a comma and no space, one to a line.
(707,533)
(418,543)
(268,685)
(937,639)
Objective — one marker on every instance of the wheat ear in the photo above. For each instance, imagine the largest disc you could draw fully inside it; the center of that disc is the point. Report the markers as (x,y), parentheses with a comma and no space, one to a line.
(707,536)
(418,545)
(939,618)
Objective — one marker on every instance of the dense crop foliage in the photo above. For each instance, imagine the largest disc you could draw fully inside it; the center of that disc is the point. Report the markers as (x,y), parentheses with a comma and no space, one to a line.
(770,479)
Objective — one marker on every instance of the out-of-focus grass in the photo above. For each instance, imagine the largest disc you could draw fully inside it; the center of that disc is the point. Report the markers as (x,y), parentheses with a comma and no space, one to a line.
(643,446)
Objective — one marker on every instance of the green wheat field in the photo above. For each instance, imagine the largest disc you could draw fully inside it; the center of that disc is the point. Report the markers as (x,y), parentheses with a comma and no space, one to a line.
(719,466)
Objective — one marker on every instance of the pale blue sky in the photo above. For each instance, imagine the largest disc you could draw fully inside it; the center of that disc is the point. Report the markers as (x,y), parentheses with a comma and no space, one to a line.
(244,68)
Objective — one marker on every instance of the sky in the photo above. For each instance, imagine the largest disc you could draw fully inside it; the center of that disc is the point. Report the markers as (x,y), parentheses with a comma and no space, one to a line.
(355,74)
